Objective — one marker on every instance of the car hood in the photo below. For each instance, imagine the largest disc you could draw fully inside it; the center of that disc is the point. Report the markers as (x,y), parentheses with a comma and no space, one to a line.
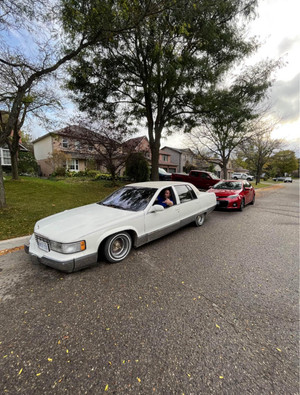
(225,192)
(71,225)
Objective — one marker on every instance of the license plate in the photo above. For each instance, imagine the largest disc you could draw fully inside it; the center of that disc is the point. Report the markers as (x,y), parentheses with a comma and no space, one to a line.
(43,245)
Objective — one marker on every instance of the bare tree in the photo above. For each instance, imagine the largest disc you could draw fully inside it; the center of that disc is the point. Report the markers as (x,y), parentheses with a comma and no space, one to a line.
(108,144)
(259,148)
(233,114)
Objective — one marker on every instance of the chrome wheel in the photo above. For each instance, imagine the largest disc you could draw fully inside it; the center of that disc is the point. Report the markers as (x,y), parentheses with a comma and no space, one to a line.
(117,247)
(200,219)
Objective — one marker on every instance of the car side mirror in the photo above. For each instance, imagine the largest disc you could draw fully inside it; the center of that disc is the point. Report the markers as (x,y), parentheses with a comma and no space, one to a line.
(156,208)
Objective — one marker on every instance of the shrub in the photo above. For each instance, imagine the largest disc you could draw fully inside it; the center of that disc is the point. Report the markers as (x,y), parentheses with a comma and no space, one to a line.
(92,173)
(27,163)
(78,174)
(137,167)
(59,172)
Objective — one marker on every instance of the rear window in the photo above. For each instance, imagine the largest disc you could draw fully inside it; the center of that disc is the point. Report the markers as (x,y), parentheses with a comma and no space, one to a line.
(185,193)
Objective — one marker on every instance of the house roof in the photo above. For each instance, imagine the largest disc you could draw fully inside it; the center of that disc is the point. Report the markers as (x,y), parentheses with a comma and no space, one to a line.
(134,142)
(74,131)
(180,150)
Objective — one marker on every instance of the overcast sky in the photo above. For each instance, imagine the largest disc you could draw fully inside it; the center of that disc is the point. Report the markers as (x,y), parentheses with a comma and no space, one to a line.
(277,28)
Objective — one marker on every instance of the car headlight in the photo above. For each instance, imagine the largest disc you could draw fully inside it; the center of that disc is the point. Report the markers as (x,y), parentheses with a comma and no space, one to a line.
(233,196)
(68,248)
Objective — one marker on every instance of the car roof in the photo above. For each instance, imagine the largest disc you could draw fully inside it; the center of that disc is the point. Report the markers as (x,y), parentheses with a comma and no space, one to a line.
(157,184)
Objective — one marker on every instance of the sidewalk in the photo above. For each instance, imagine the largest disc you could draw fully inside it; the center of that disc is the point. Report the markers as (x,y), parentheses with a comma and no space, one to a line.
(10,245)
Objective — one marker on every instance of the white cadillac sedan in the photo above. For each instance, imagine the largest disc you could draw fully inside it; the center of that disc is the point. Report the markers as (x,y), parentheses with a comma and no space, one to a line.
(131,216)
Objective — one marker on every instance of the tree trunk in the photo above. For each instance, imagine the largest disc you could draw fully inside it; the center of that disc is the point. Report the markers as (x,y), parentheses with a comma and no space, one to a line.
(14,165)
(224,168)
(2,190)
(154,160)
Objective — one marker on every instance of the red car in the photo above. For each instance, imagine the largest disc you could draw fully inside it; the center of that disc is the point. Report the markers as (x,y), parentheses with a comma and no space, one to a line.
(233,194)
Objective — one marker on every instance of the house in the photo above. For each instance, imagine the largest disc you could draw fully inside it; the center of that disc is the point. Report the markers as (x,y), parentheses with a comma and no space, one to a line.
(214,165)
(68,148)
(165,162)
(179,157)
(5,159)
(139,144)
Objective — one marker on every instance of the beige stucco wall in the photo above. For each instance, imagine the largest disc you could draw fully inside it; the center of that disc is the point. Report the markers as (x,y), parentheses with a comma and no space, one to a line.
(43,148)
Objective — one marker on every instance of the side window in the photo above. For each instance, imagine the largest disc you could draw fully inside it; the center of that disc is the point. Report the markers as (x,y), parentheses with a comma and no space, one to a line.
(194,174)
(204,175)
(193,194)
(184,193)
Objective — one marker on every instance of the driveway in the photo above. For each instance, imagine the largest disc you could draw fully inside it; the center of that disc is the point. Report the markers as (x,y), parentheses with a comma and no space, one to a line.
(209,310)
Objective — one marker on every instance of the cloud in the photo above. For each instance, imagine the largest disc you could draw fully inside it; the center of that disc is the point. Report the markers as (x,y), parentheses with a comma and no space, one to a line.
(287,44)
(285,99)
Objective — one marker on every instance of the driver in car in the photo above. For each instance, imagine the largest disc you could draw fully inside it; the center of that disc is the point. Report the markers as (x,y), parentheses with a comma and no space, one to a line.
(165,201)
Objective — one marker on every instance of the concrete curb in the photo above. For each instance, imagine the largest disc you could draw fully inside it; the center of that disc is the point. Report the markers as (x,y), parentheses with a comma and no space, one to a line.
(10,245)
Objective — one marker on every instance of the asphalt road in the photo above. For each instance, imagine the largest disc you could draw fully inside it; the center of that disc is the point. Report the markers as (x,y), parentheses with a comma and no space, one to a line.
(209,310)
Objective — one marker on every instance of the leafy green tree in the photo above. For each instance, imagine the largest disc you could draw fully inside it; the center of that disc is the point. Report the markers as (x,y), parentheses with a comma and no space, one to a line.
(284,162)
(161,73)
(257,152)
(137,167)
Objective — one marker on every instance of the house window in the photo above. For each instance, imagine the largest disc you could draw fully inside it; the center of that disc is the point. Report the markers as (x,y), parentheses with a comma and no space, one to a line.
(91,147)
(73,165)
(165,158)
(6,159)
(65,143)
(77,144)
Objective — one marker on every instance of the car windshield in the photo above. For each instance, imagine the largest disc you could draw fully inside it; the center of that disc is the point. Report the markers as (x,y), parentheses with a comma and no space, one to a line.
(162,171)
(129,198)
(228,185)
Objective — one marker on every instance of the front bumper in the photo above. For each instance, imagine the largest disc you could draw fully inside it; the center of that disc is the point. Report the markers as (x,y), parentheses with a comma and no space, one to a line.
(65,265)
(232,204)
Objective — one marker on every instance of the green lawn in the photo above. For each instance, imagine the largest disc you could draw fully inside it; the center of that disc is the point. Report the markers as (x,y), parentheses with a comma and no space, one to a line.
(264,184)
(31,199)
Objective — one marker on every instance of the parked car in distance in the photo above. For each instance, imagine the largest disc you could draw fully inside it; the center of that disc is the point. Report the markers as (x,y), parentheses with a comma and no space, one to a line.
(232,194)
(131,216)
(164,175)
(288,179)
(242,176)
(201,179)
(282,179)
